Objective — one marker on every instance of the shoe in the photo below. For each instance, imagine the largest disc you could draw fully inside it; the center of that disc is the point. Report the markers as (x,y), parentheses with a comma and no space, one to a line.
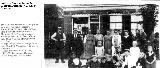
(56,61)
(62,61)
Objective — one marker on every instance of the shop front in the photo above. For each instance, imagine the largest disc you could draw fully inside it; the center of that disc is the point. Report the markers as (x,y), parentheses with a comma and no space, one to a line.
(103,18)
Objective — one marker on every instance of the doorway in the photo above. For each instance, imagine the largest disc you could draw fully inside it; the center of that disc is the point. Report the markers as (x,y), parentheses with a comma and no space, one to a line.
(94,27)
(105,24)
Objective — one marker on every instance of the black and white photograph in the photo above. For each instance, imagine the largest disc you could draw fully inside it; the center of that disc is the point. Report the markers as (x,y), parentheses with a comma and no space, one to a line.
(101,36)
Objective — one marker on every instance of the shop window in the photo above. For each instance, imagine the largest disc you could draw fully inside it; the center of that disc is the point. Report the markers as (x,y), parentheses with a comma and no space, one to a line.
(80,20)
(94,18)
(115,18)
(134,26)
(136,18)
(115,25)
(115,22)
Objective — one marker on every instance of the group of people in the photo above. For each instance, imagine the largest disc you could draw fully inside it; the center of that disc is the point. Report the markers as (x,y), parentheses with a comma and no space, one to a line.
(114,50)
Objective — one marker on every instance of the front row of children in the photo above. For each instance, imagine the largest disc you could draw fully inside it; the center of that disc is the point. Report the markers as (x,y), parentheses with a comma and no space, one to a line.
(132,58)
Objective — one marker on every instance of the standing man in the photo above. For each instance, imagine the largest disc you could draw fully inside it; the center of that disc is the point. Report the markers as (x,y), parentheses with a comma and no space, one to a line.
(77,44)
(59,38)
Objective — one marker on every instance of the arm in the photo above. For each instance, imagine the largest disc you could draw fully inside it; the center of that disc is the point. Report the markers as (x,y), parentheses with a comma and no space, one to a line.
(53,37)
(146,60)
(64,37)
(153,59)
(95,50)
(85,38)
(112,40)
(103,41)
(119,38)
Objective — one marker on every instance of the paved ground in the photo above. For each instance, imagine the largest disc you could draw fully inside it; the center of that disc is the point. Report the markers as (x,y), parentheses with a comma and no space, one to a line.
(50,63)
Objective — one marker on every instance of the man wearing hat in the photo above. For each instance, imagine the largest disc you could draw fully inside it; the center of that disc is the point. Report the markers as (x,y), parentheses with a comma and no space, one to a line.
(59,39)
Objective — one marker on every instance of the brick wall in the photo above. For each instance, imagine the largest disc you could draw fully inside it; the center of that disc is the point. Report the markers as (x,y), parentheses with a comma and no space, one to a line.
(67,24)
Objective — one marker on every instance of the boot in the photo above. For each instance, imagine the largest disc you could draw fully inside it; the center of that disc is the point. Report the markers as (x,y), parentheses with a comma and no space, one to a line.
(57,61)
(62,60)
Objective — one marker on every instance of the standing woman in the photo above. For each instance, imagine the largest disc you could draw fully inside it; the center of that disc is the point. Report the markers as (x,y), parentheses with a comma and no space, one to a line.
(142,40)
(99,38)
(126,41)
(116,42)
(107,42)
(89,45)
(150,58)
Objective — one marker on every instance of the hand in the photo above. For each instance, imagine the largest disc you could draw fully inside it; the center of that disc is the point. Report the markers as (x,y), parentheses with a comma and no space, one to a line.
(55,40)
(61,40)
(151,62)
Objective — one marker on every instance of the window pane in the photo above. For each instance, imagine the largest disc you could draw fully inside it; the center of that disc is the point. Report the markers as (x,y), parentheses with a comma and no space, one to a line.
(136,18)
(118,25)
(115,18)
(112,25)
(134,26)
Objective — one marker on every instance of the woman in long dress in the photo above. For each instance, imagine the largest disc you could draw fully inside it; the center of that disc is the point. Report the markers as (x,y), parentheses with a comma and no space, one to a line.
(99,49)
(89,48)
(116,42)
(107,42)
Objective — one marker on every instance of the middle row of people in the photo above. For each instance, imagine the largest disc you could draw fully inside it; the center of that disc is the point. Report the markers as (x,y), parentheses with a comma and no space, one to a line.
(100,45)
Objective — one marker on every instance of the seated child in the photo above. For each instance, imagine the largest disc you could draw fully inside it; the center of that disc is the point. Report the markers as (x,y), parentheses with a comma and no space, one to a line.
(126,59)
(107,62)
(74,62)
(141,61)
(93,63)
(118,58)
(84,64)
(150,58)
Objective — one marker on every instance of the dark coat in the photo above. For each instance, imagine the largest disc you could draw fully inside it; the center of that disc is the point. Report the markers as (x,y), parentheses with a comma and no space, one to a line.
(77,46)
(107,64)
(127,42)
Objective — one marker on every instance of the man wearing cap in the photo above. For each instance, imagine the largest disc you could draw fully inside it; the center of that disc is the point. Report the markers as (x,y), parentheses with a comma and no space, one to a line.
(59,39)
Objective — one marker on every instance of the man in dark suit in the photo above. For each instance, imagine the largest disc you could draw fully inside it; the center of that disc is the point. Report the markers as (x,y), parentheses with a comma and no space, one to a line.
(77,44)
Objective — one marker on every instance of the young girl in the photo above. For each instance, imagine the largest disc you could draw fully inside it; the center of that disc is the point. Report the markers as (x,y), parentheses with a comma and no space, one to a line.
(118,58)
(150,58)
(99,50)
(141,61)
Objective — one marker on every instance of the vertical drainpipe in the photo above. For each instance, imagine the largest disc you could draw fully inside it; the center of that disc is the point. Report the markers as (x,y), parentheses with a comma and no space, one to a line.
(99,23)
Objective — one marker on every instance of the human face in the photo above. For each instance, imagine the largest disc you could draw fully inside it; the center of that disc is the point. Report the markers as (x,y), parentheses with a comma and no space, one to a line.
(126,33)
(59,30)
(108,33)
(98,32)
(150,48)
(75,32)
(94,59)
(134,43)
